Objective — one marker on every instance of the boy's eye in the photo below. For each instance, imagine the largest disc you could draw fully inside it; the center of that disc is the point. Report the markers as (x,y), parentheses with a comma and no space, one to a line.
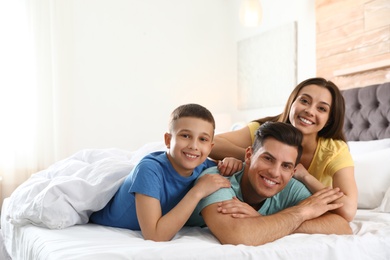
(185,136)
(204,139)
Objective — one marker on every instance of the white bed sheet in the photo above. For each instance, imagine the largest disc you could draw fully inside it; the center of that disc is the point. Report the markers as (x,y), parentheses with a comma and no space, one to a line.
(371,240)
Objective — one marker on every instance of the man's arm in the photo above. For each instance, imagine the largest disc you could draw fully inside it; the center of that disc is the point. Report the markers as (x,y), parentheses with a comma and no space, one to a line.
(329,223)
(263,229)
(250,231)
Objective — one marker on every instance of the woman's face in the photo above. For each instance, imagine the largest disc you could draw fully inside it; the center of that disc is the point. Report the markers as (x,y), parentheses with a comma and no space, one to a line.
(311,109)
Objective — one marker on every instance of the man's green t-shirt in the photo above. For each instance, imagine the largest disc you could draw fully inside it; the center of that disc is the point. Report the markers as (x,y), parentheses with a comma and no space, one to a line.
(291,195)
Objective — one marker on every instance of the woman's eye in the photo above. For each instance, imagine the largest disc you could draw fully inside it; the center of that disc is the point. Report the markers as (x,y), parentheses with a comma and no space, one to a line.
(303,100)
(323,109)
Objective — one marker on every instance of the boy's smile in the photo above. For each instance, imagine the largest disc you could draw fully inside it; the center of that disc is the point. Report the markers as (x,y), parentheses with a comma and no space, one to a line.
(189,144)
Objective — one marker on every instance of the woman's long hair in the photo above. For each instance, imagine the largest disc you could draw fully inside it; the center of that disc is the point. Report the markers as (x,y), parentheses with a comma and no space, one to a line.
(334,127)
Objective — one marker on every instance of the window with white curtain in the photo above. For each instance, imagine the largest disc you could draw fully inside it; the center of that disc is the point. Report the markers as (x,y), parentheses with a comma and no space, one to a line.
(25,98)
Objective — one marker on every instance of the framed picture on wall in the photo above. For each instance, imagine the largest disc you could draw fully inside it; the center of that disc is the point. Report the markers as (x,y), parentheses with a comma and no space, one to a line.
(267,67)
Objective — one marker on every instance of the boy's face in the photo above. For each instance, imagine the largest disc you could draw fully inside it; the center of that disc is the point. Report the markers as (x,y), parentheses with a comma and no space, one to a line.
(270,168)
(189,144)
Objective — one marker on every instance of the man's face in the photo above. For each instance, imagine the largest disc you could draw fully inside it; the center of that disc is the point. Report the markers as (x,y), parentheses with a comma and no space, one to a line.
(270,168)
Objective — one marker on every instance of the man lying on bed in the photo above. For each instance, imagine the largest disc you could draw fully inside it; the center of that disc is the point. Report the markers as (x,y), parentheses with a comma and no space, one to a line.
(275,205)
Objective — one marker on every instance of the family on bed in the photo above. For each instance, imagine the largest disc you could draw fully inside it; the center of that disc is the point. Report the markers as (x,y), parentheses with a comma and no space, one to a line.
(291,173)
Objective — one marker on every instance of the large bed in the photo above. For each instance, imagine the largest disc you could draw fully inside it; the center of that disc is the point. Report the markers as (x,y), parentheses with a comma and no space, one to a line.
(47,216)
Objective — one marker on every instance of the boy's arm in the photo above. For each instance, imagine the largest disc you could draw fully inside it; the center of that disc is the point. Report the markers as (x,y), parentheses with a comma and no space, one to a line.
(158,227)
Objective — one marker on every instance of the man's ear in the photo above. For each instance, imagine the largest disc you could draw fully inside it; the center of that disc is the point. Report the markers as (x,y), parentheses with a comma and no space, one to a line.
(167,139)
(248,154)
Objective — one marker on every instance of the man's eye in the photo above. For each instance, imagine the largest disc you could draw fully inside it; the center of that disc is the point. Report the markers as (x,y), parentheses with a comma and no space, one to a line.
(287,166)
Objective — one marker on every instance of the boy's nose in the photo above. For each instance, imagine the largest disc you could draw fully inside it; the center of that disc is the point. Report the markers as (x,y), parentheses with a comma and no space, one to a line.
(193,144)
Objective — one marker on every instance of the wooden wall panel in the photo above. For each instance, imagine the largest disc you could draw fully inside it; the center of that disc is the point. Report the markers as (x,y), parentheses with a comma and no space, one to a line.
(353,37)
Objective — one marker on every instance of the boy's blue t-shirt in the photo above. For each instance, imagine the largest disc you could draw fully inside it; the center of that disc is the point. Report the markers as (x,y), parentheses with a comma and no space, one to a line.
(154,176)
(291,195)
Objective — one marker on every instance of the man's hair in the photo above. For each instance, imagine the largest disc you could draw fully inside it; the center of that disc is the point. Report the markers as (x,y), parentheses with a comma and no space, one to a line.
(191,110)
(283,132)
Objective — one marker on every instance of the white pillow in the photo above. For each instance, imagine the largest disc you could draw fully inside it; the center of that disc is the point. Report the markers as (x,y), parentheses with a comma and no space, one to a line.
(385,205)
(362,147)
(372,173)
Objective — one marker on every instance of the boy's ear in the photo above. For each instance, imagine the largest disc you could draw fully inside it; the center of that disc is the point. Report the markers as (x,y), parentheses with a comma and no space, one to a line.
(167,139)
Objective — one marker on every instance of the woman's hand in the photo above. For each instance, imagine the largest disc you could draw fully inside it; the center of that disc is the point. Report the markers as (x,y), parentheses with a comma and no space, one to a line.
(229,166)
(301,173)
(237,209)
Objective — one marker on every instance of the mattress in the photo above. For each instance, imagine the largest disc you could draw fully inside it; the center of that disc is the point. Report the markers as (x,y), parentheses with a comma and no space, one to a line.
(371,240)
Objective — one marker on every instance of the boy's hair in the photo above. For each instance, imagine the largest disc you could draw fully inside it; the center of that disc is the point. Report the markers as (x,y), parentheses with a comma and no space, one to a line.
(191,110)
(283,132)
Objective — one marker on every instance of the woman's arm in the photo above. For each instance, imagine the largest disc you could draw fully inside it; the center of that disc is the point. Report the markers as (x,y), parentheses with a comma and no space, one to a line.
(231,144)
(343,179)
(158,227)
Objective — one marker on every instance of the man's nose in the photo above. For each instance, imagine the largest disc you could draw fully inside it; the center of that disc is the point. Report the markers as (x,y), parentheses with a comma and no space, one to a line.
(274,171)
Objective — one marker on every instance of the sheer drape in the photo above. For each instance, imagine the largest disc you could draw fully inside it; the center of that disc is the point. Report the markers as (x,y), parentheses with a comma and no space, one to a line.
(27,96)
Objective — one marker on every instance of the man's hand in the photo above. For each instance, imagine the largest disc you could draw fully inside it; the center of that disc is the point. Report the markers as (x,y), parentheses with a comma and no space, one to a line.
(320,202)
(229,165)
(237,208)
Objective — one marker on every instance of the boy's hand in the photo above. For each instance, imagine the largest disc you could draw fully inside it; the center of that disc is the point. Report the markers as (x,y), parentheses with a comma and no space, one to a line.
(237,208)
(210,183)
(229,165)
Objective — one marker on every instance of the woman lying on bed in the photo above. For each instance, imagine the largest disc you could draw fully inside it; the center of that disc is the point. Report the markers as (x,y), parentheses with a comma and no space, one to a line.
(316,107)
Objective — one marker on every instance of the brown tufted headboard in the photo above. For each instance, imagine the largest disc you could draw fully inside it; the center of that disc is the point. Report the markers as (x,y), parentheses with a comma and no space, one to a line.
(367,112)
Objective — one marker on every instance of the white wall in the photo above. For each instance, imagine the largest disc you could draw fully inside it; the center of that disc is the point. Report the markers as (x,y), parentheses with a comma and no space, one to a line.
(275,14)
(129,63)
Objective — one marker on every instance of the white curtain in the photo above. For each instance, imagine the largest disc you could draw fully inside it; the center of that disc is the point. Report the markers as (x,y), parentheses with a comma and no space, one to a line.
(27,90)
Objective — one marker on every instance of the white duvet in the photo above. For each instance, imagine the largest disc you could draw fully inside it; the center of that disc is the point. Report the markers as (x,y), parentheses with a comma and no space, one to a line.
(66,193)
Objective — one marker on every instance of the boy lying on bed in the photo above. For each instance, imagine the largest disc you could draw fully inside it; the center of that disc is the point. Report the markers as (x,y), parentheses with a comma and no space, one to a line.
(275,205)
(158,196)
